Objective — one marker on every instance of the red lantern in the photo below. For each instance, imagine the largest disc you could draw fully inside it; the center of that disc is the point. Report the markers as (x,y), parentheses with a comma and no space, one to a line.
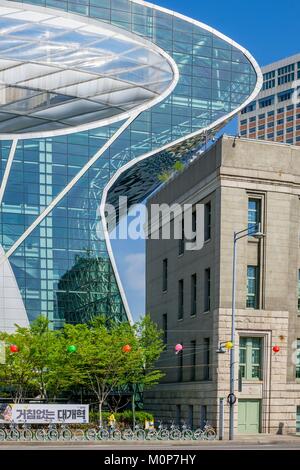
(126,348)
(14,348)
(276,349)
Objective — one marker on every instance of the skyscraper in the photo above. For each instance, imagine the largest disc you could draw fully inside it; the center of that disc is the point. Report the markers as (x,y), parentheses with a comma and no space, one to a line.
(97,98)
(275,113)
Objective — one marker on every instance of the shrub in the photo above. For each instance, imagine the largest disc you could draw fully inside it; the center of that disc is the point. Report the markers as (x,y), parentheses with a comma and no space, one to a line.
(123,418)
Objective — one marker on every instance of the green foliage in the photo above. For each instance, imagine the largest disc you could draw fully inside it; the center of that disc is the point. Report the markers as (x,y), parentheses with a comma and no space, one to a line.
(164,176)
(178,166)
(44,365)
(124,418)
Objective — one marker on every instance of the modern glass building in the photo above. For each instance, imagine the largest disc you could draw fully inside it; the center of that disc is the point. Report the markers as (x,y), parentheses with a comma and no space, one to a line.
(97,98)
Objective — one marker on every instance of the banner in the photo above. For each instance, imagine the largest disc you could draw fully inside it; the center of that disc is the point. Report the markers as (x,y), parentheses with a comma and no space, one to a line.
(43,414)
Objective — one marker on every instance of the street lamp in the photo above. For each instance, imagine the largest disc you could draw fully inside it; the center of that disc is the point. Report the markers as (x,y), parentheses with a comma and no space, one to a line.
(255,231)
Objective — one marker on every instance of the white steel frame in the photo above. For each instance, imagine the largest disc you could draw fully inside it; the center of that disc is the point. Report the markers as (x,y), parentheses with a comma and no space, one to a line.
(132,115)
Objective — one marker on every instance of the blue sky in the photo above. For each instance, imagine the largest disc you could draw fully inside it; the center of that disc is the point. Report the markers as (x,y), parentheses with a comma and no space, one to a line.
(269,29)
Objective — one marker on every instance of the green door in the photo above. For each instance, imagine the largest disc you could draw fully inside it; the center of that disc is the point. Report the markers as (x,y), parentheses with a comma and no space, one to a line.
(249,416)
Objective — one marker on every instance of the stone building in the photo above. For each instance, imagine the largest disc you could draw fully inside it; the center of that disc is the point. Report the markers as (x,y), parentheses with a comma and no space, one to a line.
(189,293)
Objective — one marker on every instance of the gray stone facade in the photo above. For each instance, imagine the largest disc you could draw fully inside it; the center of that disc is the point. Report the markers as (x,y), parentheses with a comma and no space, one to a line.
(228,174)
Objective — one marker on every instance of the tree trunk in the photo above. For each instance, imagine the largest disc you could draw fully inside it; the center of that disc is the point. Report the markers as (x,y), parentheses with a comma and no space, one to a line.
(100,414)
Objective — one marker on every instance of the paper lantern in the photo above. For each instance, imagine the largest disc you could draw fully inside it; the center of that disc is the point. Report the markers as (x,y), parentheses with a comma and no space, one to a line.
(178,348)
(126,348)
(14,348)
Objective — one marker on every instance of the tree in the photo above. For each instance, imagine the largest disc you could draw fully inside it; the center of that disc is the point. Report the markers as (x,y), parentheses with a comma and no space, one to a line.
(40,367)
(16,373)
(107,357)
(49,359)
(101,363)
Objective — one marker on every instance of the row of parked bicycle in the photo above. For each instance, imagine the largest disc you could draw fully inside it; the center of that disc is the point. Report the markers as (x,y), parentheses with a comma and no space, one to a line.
(66,433)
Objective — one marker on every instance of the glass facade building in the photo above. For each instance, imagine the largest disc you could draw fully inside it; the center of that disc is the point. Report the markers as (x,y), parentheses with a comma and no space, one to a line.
(163,85)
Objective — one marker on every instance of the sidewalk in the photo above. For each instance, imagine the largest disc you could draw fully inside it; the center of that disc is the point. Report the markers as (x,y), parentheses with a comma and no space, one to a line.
(257,439)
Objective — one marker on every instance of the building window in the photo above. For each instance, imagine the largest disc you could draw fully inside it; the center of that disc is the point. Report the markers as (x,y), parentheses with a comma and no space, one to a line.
(193,294)
(180,365)
(206,359)
(193,361)
(207,290)
(180,299)
(203,416)
(254,213)
(284,96)
(181,240)
(263,103)
(298,419)
(252,286)
(165,275)
(207,221)
(250,361)
(298,360)
(165,328)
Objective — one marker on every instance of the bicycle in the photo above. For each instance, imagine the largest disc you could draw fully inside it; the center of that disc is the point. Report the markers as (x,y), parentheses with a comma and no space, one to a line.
(41,434)
(163,433)
(52,433)
(151,434)
(186,433)
(2,434)
(209,432)
(13,434)
(78,434)
(139,433)
(103,434)
(26,434)
(91,434)
(65,433)
(175,433)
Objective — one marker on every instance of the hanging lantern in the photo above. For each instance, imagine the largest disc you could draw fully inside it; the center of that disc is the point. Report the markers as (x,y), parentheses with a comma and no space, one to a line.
(72,348)
(229,345)
(14,348)
(126,348)
(276,349)
(178,348)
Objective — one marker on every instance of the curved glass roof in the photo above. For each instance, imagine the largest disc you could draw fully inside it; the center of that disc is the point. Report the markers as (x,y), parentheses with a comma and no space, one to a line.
(57,72)
(217,78)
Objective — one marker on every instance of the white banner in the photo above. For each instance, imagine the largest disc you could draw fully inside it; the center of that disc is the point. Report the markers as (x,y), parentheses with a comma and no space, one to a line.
(41,413)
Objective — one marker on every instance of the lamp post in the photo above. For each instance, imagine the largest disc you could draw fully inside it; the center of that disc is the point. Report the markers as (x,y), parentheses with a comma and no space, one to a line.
(255,231)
